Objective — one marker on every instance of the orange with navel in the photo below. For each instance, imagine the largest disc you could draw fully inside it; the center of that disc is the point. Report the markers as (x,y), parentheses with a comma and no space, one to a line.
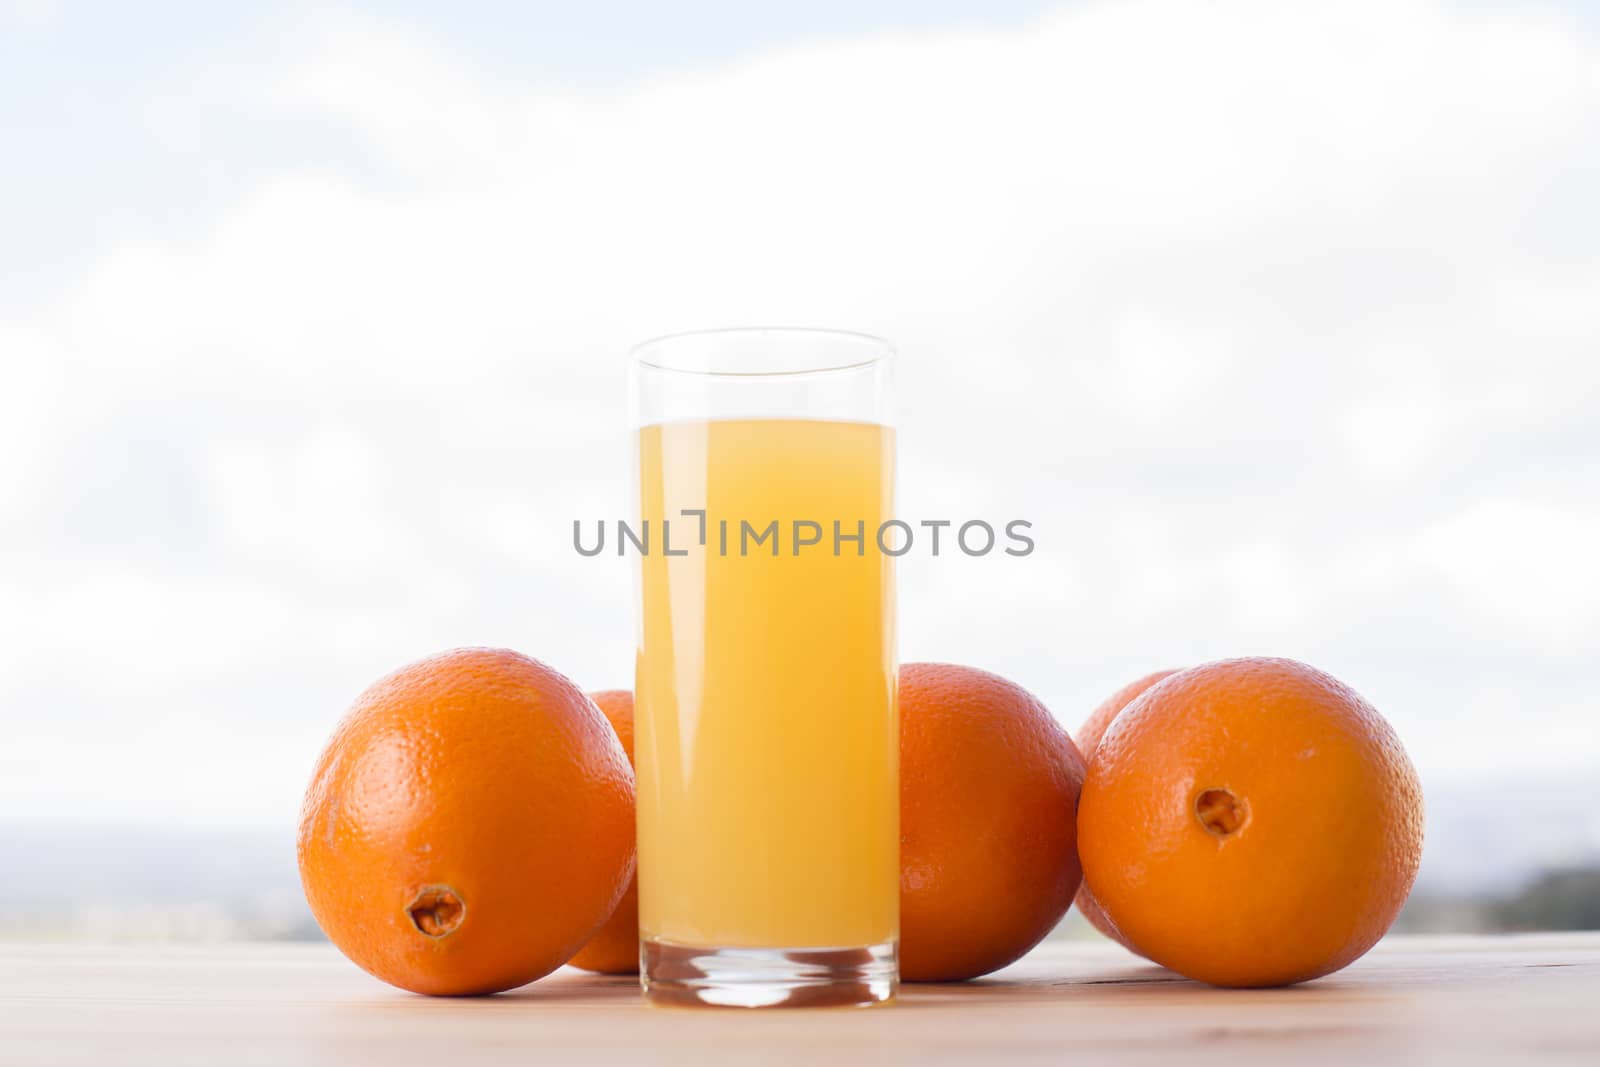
(615,949)
(988,786)
(1250,822)
(469,826)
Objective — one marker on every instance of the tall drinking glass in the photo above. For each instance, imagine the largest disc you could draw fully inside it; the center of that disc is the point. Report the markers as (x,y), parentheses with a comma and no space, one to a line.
(766,737)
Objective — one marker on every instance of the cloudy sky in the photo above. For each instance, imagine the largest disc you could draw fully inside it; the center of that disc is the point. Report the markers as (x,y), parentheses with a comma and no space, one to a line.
(1280,322)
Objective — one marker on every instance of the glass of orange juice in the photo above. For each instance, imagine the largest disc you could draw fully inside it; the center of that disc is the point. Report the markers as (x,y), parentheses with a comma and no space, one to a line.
(766,736)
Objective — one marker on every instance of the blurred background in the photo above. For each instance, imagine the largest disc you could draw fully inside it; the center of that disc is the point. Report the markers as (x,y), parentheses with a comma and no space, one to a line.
(1280,323)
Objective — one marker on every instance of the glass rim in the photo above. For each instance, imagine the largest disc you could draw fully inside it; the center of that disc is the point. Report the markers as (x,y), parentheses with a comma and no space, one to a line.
(869,350)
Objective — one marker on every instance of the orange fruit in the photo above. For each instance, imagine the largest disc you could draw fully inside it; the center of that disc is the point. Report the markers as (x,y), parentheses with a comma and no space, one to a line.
(469,825)
(1088,739)
(988,843)
(615,949)
(1250,822)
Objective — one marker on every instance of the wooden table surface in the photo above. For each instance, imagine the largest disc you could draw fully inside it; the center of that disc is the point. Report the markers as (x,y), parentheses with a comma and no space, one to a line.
(1413,1000)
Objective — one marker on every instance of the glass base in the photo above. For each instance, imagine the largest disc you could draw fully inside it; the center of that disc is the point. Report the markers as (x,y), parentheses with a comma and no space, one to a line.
(767,977)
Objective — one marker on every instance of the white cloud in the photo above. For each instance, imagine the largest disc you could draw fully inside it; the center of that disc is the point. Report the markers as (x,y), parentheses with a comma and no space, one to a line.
(1278,322)
(1524,566)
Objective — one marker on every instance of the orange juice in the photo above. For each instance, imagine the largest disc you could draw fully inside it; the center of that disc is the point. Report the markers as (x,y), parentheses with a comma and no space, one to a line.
(766,736)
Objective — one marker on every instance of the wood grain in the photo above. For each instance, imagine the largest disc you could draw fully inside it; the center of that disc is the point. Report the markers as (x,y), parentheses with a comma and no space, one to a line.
(1413,1000)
